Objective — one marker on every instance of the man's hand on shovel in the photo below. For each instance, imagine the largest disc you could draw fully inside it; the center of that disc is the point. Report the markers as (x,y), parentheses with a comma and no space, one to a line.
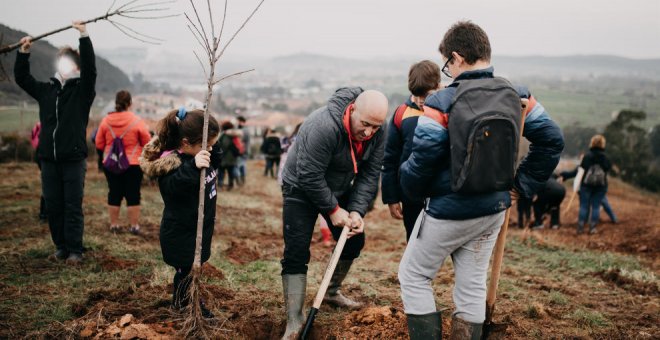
(356,225)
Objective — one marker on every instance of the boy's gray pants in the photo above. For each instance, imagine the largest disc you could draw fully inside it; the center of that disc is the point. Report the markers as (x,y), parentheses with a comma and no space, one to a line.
(470,244)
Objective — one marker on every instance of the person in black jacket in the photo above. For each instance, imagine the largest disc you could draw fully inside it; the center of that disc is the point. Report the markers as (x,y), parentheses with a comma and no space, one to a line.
(548,200)
(331,169)
(64,105)
(272,150)
(175,157)
(591,182)
(423,79)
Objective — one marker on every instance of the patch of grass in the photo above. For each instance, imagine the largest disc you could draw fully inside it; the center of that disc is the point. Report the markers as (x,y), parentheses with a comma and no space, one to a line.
(557,298)
(588,319)
(12,121)
(533,312)
(54,310)
(548,259)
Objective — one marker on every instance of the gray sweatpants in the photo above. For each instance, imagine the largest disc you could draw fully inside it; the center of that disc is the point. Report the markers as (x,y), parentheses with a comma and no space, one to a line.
(470,244)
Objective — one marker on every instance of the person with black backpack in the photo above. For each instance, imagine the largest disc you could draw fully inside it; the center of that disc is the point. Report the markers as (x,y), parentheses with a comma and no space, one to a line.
(463,163)
(591,182)
(272,150)
(65,101)
(121,137)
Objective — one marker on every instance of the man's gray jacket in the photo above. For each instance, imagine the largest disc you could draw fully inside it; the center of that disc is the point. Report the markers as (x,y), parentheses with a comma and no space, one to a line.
(320,163)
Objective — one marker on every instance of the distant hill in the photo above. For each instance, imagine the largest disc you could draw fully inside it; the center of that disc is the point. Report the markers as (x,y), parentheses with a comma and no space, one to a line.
(109,80)
(579,66)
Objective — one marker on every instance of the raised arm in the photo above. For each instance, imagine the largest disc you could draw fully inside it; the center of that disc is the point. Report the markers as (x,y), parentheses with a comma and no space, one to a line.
(87,62)
(22,74)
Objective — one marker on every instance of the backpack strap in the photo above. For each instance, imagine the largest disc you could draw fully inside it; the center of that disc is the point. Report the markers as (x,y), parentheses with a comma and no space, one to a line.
(110,128)
(128,128)
(398,115)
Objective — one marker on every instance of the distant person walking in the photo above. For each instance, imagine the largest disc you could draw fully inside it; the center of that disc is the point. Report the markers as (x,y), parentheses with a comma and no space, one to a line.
(566,175)
(272,150)
(64,105)
(287,144)
(591,182)
(134,135)
(228,141)
(241,161)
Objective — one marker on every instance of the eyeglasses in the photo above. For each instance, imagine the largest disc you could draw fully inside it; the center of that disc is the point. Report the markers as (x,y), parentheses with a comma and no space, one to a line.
(445,68)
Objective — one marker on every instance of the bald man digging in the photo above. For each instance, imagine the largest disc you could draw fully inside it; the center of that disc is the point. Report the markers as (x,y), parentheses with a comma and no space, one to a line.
(333,170)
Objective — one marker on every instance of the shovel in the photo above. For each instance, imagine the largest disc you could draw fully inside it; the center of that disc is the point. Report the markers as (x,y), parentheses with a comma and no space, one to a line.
(498,253)
(570,204)
(324,284)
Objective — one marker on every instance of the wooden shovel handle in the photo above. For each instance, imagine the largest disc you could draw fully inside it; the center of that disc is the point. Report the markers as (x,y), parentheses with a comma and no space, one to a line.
(501,241)
(331,268)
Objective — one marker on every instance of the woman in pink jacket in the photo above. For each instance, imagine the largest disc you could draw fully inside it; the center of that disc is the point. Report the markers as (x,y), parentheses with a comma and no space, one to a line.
(134,134)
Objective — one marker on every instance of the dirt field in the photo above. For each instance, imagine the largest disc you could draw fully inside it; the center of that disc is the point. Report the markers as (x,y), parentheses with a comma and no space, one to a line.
(554,284)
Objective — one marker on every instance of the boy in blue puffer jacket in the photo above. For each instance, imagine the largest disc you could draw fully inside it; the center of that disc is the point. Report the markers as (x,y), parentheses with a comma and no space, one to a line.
(462,225)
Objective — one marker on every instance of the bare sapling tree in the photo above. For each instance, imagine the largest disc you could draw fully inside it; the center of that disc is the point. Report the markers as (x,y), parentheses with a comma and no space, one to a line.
(214,47)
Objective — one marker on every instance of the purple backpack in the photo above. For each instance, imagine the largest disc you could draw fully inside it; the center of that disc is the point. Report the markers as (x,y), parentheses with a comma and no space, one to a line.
(116,160)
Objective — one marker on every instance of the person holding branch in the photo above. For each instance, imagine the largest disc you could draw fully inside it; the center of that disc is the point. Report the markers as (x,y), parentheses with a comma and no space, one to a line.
(64,106)
(332,169)
(176,158)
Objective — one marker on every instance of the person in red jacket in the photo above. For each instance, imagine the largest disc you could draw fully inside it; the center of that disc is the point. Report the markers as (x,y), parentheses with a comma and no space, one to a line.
(134,134)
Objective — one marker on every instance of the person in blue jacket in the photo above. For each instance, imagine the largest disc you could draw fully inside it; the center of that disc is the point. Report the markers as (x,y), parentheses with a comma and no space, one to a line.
(423,79)
(462,225)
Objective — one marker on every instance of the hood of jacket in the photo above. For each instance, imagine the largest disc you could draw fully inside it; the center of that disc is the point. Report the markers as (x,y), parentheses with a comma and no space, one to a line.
(153,163)
(339,101)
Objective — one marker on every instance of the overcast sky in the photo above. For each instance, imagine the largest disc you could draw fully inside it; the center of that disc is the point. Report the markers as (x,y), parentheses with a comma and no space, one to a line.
(375,28)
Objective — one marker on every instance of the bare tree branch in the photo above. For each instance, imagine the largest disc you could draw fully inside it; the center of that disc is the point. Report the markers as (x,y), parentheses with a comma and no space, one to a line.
(127,4)
(149,17)
(150,4)
(204,47)
(222,26)
(239,29)
(131,35)
(110,8)
(201,25)
(231,75)
(208,4)
(126,10)
(200,34)
(138,33)
(201,64)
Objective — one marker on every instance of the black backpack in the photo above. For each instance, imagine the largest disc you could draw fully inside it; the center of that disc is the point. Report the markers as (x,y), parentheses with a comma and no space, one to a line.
(274,148)
(484,132)
(595,176)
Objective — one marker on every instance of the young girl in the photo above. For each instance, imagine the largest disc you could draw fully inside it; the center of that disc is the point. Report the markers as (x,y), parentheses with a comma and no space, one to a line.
(175,157)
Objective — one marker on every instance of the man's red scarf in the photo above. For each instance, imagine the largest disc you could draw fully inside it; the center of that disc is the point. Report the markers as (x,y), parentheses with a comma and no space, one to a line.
(357,147)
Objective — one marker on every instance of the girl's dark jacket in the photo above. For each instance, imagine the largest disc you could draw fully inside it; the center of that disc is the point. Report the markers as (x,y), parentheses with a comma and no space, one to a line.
(63,108)
(178,180)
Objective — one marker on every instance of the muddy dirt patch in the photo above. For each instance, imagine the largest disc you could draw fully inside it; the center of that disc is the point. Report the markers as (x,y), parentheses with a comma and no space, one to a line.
(240,253)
